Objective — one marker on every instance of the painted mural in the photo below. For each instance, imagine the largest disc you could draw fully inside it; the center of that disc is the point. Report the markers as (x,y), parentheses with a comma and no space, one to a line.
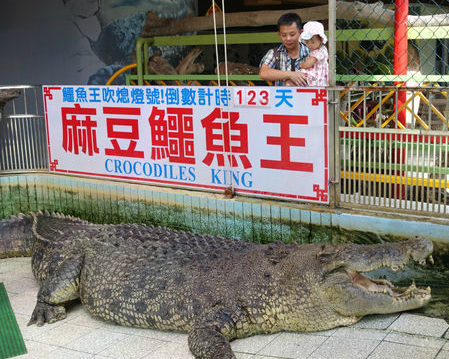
(120,23)
(76,41)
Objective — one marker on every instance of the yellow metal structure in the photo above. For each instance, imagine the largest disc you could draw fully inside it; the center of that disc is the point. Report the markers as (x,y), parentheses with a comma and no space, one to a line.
(416,93)
(119,72)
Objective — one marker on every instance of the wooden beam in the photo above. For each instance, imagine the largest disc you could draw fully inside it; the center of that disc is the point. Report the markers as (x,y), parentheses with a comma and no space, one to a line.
(315,2)
(156,26)
(261,2)
(375,14)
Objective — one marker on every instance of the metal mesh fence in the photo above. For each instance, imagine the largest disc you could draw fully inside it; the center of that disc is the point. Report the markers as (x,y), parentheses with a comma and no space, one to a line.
(393,59)
(393,41)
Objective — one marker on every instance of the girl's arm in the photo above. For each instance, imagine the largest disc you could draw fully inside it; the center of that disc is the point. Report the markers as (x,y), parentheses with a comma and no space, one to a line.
(308,63)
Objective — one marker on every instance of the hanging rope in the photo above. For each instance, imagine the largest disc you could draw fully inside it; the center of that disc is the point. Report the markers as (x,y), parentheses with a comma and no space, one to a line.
(225,47)
(230,156)
(216,43)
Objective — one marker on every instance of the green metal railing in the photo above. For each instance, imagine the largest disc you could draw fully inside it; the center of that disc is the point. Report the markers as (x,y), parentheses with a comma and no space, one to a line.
(414,33)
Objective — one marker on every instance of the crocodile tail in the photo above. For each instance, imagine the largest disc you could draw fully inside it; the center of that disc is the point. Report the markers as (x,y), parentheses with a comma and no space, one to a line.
(53,228)
(16,236)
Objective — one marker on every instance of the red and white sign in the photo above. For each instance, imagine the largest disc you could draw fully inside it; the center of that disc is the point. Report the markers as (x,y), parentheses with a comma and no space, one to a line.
(264,141)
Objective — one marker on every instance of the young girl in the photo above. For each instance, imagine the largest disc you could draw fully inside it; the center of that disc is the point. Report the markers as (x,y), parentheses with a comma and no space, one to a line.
(316,65)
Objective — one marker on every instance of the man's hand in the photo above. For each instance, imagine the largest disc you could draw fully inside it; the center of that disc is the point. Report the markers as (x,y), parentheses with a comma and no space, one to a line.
(292,78)
(296,78)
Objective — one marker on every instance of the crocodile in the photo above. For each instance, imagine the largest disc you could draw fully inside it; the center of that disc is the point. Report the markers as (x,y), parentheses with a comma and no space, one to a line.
(213,288)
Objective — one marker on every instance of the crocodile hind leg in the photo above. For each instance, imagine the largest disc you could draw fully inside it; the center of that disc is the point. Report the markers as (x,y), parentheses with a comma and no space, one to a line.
(58,288)
(209,338)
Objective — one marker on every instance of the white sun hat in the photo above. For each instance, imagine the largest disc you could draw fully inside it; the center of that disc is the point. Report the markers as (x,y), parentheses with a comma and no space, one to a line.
(313,28)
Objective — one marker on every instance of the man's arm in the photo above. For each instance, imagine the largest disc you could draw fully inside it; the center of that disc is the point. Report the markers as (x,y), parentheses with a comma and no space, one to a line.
(268,74)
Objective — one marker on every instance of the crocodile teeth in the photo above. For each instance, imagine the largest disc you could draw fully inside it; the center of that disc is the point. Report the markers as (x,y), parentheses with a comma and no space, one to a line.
(422,262)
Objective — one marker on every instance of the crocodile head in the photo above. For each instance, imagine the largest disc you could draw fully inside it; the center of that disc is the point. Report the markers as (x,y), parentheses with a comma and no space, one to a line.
(350,292)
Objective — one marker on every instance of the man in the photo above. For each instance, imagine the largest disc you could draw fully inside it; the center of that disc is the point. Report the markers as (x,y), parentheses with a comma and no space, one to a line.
(281,65)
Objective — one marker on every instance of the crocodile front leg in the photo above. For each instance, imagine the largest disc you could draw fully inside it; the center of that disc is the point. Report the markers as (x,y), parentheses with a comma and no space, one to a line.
(58,288)
(209,338)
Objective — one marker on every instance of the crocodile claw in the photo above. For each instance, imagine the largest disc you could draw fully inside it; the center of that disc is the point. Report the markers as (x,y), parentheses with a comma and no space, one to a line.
(47,313)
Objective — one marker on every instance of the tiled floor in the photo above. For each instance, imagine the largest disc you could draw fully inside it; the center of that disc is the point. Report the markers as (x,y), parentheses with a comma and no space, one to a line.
(80,336)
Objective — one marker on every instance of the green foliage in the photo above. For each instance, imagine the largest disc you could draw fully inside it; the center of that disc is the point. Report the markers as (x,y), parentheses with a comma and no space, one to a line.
(361,61)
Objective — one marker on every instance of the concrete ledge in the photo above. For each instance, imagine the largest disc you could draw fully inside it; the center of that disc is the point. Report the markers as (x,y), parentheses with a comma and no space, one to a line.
(240,217)
(399,227)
